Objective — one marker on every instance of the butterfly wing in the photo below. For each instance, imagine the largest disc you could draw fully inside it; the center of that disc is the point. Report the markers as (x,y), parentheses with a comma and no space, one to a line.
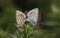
(20,18)
(33,16)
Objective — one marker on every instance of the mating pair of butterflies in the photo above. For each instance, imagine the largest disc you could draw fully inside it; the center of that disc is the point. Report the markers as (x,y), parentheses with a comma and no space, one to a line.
(32,17)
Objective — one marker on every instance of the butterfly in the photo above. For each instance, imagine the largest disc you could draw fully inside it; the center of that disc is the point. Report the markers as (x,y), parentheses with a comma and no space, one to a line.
(32,17)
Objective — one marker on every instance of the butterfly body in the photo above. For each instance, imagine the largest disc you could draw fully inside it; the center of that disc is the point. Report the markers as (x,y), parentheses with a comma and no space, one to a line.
(32,17)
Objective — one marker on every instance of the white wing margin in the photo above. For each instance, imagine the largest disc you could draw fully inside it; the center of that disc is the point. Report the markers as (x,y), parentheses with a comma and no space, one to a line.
(33,16)
(20,18)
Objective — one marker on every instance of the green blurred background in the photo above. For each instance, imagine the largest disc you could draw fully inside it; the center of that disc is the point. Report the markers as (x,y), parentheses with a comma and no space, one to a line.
(49,16)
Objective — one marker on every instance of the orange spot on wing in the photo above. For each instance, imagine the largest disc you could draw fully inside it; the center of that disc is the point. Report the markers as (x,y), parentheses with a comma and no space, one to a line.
(30,13)
(20,15)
